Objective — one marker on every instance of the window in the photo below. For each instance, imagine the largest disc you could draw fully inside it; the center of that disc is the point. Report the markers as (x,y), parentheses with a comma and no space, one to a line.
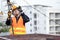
(57,32)
(51,15)
(35,22)
(57,15)
(57,28)
(30,24)
(44,28)
(51,28)
(30,18)
(30,30)
(51,22)
(30,12)
(51,32)
(35,28)
(57,22)
(35,15)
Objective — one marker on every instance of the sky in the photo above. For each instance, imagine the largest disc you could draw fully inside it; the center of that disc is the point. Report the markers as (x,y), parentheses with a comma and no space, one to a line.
(54,3)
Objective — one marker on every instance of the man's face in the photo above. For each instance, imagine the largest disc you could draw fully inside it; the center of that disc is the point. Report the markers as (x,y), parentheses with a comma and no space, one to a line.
(16,12)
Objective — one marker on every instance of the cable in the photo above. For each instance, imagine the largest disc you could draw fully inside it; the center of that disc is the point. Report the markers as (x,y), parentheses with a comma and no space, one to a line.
(39,11)
(35,9)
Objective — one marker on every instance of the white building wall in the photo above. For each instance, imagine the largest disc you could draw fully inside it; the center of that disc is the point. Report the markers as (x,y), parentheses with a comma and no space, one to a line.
(40,28)
(54,26)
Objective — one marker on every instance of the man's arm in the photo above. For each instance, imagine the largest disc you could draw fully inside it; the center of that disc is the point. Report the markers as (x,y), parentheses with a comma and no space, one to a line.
(8,21)
(25,18)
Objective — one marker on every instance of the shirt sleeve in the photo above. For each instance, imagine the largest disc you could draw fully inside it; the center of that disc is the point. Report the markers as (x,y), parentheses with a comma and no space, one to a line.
(8,21)
(25,18)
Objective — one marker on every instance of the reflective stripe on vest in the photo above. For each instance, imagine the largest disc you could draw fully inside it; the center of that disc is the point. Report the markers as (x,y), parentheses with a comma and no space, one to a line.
(18,27)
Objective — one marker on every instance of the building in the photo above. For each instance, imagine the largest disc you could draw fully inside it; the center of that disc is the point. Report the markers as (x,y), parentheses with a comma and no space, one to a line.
(54,21)
(43,20)
(37,24)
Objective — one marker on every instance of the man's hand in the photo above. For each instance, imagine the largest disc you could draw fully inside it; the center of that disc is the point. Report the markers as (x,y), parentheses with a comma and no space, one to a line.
(9,14)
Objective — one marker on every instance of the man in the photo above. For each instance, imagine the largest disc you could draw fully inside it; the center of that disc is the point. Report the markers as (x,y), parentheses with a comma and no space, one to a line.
(18,21)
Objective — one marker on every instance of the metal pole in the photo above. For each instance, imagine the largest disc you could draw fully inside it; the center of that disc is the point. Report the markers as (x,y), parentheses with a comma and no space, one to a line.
(9,8)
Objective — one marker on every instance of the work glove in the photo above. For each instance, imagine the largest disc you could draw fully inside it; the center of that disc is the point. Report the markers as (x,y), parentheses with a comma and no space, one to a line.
(9,14)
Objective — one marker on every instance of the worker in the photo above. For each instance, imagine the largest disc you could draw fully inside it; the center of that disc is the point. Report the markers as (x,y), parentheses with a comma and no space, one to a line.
(18,21)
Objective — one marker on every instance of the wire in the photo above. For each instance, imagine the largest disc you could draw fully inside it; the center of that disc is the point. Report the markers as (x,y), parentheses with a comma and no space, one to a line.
(40,11)
(36,9)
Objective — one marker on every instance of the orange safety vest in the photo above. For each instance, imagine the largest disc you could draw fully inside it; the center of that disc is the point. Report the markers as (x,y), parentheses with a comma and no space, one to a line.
(18,27)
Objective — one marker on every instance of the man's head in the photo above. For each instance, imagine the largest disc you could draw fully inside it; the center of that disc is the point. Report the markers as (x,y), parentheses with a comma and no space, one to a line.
(17,11)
